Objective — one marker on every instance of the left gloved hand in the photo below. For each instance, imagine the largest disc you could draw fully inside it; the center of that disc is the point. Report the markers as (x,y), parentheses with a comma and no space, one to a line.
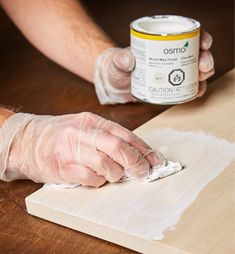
(81,148)
(112,76)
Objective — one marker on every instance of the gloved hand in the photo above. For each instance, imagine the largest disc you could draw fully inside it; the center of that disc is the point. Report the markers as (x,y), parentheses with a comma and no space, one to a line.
(206,62)
(112,75)
(77,149)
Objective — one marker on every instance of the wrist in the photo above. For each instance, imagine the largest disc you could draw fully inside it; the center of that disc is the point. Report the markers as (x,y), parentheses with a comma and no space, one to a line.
(4,115)
(11,132)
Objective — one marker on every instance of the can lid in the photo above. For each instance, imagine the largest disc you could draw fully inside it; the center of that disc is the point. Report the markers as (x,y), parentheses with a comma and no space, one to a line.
(165,25)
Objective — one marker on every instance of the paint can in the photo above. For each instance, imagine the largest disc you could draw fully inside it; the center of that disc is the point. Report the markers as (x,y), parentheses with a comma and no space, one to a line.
(166,50)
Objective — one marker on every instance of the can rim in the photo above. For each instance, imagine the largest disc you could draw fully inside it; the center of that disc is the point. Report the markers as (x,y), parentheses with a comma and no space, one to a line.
(133,24)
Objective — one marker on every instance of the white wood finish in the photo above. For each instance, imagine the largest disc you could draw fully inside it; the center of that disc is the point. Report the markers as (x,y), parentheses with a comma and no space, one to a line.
(207,225)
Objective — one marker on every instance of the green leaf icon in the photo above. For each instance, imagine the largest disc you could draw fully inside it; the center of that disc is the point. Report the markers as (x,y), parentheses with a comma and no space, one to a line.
(186,45)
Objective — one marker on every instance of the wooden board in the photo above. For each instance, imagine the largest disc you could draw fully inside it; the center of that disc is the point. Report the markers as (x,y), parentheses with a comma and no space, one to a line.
(120,212)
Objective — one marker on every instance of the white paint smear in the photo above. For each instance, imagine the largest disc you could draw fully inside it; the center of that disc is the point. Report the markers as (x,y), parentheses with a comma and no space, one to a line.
(148,209)
(165,24)
(164,27)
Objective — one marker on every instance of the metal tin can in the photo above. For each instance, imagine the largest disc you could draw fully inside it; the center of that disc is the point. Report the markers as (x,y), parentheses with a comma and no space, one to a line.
(166,50)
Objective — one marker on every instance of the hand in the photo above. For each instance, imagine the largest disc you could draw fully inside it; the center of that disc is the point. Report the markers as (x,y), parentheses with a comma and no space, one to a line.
(206,62)
(112,76)
(78,149)
(113,72)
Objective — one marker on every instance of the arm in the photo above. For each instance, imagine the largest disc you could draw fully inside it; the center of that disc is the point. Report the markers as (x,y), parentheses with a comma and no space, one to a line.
(62,30)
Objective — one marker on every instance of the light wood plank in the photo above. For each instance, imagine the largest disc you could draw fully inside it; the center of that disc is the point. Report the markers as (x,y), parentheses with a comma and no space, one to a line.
(206,226)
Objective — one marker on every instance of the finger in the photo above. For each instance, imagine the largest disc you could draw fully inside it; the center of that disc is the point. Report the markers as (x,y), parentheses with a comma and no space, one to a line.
(98,123)
(202,88)
(139,169)
(71,147)
(116,148)
(205,40)
(78,174)
(115,70)
(119,77)
(206,61)
(100,163)
(129,137)
(95,121)
(121,152)
(203,76)
(124,60)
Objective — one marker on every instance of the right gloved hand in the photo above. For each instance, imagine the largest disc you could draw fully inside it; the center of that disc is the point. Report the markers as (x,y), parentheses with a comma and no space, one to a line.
(78,149)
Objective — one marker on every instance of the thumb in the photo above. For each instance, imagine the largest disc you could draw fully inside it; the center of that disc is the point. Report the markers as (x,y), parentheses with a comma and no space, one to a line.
(124,60)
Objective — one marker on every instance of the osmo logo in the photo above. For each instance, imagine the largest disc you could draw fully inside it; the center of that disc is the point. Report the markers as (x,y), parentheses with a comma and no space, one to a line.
(176,50)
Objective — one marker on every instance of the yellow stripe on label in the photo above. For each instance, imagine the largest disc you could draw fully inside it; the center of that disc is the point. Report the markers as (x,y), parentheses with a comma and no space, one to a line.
(165,37)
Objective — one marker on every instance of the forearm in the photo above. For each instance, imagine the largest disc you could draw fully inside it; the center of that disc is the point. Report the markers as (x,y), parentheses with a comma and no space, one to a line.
(62,30)
(4,114)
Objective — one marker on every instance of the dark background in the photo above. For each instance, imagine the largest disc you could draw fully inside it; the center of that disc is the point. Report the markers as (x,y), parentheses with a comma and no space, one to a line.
(33,83)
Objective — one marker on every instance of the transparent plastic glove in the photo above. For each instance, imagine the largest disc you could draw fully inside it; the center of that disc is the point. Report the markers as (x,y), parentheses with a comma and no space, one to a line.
(112,76)
(78,149)
(206,62)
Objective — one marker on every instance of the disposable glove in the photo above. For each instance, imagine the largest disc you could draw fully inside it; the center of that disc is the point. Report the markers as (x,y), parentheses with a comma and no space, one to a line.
(206,62)
(112,75)
(77,149)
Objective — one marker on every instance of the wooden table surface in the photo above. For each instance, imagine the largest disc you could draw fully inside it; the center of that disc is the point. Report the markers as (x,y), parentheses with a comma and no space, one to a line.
(32,83)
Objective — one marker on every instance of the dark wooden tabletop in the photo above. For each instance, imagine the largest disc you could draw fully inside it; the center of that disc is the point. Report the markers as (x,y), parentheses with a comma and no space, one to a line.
(32,83)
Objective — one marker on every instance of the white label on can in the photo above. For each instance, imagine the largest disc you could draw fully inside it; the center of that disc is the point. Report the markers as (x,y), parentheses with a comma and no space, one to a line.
(166,72)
